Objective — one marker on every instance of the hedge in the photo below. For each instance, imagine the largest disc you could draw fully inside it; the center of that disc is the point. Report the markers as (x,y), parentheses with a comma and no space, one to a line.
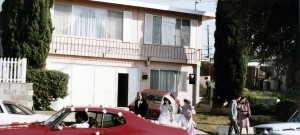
(285,109)
(48,85)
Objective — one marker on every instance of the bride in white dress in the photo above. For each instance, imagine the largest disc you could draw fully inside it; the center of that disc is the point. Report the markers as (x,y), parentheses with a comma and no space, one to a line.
(168,110)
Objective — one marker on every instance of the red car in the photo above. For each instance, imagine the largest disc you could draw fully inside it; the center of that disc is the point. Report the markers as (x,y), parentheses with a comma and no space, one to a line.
(153,98)
(102,121)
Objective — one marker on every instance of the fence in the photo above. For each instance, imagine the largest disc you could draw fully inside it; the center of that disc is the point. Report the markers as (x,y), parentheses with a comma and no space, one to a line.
(13,70)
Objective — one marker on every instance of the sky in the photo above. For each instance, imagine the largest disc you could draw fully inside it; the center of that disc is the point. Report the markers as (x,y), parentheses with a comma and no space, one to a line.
(202,5)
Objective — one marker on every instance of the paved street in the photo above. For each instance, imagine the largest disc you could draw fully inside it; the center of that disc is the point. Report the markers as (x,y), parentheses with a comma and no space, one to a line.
(199,132)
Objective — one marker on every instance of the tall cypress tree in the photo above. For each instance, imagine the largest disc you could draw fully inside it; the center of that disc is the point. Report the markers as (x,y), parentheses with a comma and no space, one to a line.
(231,55)
(26,30)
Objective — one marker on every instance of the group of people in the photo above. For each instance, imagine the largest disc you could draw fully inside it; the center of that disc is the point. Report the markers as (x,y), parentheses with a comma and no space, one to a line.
(171,112)
(239,105)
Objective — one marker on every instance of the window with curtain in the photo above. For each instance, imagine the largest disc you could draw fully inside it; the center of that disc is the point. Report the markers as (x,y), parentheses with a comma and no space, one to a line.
(156,37)
(63,24)
(88,22)
(164,80)
(115,25)
(167,31)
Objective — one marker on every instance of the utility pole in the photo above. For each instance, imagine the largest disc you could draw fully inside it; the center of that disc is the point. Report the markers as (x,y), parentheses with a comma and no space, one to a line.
(196,2)
(208,42)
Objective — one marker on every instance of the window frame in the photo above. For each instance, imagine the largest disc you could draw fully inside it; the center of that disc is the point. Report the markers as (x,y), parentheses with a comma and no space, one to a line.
(71,34)
(151,26)
(159,79)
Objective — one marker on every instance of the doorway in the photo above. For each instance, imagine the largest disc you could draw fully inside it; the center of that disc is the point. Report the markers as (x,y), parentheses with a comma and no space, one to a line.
(122,90)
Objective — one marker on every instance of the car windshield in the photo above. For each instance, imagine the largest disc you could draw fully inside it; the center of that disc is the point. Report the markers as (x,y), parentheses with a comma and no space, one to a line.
(295,117)
(56,117)
(154,99)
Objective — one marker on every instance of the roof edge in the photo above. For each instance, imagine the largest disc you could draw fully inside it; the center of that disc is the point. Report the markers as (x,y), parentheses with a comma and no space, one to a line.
(156,6)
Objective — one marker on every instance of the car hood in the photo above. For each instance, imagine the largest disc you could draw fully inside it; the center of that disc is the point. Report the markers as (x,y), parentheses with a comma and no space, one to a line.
(279,126)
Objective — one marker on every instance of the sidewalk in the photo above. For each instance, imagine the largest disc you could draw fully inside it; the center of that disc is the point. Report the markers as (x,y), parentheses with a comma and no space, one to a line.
(199,132)
(223,130)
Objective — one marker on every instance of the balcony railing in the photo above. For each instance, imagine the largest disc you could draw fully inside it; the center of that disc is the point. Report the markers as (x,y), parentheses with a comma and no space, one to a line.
(116,49)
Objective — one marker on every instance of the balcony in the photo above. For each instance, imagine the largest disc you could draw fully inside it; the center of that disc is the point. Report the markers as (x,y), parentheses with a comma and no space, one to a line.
(75,46)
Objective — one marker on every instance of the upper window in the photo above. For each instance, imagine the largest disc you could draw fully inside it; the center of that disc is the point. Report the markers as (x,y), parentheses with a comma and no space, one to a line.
(161,30)
(87,22)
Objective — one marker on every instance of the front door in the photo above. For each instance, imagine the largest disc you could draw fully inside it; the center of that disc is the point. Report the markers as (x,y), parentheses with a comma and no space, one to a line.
(122,90)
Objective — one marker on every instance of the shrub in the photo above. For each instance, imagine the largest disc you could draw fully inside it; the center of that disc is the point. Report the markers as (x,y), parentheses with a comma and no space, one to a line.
(284,109)
(259,108)
(47,85)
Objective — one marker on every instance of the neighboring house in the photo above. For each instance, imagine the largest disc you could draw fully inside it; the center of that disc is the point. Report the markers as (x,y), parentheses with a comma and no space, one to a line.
(112,49)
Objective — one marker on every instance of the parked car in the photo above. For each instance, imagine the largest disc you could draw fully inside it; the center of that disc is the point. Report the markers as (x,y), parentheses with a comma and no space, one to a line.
(291,127)
(102,121)
(12,111)
(153,98)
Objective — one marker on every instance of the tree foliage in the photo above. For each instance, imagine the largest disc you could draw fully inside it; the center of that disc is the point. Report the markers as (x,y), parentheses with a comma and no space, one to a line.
(262,29)
(274,26)
(231,55)
(26,30)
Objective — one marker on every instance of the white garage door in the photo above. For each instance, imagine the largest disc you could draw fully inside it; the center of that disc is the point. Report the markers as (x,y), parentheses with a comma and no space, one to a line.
(94,85)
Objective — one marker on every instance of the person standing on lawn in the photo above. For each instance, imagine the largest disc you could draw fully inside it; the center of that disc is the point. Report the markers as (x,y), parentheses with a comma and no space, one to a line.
(233,111)
(244,113)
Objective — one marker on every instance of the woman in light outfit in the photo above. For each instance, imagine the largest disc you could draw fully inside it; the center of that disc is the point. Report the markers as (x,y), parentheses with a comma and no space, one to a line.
(188,110)
(168,110)
(244,113)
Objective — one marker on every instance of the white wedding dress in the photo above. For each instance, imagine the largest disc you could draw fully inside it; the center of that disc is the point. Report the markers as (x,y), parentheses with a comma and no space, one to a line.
(166,117)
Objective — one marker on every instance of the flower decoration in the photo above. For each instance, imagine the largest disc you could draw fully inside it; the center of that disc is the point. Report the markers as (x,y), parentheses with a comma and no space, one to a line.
(73,109)
(104,111)
(86,109)
(139,115)
(120,114)
(97,133)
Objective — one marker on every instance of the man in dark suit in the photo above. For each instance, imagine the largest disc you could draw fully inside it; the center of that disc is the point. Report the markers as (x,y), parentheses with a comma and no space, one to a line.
(141,105)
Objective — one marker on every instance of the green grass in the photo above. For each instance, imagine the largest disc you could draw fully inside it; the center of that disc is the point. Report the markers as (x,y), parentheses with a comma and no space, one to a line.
(272,94)
(209,122)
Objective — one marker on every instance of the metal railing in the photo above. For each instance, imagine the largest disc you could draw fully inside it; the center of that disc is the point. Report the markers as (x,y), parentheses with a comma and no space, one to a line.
(13,70)
(120,50)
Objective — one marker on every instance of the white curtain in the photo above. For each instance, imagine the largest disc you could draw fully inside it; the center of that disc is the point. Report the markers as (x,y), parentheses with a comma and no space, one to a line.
(79,21)
(115,25)
(182,81)
(164,80)
(127,17)
(168,30)
(100,20)
(193,35)
(154,79)
(88,22)
(148,29)
(62,19)
(178,32)
(185,31)
(156,37)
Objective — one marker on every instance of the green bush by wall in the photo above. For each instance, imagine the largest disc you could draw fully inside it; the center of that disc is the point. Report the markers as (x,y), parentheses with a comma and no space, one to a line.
(285,109)
(48,85)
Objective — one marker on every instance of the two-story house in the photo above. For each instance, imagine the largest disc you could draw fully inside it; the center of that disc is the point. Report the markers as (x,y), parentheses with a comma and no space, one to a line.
(112,49)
